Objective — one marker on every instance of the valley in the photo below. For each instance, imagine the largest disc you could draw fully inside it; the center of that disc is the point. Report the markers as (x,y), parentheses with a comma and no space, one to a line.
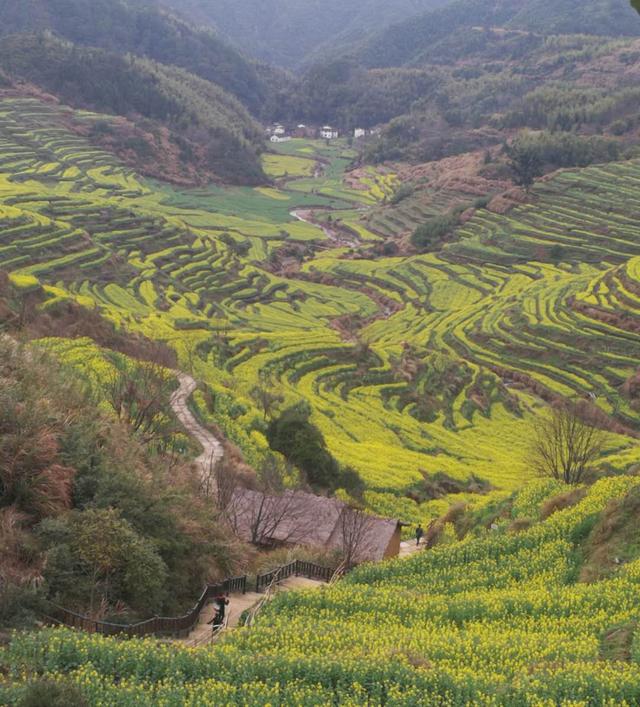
(341,299)
(441,358)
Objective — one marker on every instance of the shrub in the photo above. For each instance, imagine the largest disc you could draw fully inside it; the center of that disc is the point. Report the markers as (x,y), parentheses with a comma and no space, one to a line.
(50,693)
(302,443)
(433,232)
(404,191)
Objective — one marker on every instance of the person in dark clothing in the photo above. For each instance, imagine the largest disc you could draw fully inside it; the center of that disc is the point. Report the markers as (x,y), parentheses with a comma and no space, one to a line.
(419,534)
(216,621)
(222,601)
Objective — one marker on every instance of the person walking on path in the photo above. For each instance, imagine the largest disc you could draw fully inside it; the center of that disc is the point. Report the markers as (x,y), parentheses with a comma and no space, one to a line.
(419,534)
(221,602)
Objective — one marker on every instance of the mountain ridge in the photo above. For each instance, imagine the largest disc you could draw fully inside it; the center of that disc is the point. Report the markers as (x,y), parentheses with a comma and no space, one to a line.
(143,30)
(410,42)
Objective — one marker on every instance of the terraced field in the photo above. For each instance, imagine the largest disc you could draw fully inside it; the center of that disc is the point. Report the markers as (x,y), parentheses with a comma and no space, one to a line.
(426,363)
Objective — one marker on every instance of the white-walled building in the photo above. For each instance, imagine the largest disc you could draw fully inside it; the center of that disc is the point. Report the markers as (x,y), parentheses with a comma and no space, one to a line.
(359,132)
(329,133)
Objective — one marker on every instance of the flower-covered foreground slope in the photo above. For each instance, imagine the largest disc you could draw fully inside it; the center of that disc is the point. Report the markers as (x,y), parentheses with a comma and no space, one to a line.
(496,620)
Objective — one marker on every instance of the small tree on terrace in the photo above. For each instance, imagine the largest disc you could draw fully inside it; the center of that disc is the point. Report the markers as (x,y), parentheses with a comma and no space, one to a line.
(267,400)
(525,161)
(566,444)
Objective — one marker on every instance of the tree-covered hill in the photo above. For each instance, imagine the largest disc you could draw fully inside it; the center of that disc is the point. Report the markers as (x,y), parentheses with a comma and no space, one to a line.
(484,84)
(210,131)
(418,40)
(286,32)
(454,78)
(122,26)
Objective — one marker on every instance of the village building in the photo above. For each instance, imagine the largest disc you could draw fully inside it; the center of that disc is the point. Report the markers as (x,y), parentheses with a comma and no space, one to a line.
(328,133)
(304,131)
(299,518)
(280,138)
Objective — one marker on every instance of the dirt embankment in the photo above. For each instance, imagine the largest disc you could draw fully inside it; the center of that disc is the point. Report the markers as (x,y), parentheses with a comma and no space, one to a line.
(465,177)
(151,149)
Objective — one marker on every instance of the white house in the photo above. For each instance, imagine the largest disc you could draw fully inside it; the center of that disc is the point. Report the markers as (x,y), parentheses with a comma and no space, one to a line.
(280,138)
(279,131)
(359,132)
(329,133)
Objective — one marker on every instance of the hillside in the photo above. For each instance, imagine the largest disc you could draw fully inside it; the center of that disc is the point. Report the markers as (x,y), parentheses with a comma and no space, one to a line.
(498,618)
(484,87)
(121,27)
(452,80)
(415,363)
(289,31)
(437,324)
(177,126)
(91,514)
(420,39)
(562,83)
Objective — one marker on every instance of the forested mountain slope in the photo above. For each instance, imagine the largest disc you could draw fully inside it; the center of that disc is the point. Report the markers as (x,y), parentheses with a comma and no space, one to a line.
(417,40)
(483,85)
(285,32)
(455,78)
(121,26)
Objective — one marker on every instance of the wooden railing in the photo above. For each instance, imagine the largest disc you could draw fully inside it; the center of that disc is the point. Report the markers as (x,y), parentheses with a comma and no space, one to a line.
(180,626)
(297,568)
(176,626)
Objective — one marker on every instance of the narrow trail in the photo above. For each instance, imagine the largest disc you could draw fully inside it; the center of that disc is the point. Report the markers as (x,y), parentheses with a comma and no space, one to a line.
(213,451)
(202,634)
(410,547)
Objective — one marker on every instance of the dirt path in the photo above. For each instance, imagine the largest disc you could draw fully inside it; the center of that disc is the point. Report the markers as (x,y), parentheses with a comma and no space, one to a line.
(238,604)
(213,451)
(409,547)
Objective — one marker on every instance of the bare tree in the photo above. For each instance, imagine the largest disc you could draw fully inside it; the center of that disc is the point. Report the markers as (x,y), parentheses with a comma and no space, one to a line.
(566,444)
(139,395)
(264,519)
(269,513)
(356,527)
(220,482)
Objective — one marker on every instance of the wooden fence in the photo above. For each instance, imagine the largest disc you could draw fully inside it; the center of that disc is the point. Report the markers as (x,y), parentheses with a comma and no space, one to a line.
(176,626)
(297,568)
(180,626)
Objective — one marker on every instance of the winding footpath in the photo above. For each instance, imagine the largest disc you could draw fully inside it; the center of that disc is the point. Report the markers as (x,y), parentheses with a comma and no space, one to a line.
(213,451)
